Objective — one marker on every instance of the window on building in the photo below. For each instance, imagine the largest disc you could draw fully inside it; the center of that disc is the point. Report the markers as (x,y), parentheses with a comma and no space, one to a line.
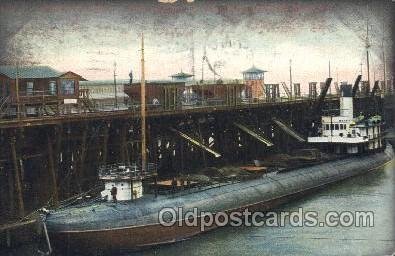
(327,127)
(29,88)
(336,126)
(52,88)
(67,87)
(332,126)
(7,89)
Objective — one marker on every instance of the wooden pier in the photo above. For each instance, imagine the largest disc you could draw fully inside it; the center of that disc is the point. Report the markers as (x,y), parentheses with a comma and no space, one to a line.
(45,159)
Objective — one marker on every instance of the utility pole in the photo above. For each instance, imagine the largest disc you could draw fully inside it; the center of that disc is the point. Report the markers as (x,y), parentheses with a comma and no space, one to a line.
(329,75)
(361,68)
(18,107)
(290,78)
(115,86)
(203,58)
(193,58)
(384,64)
(143,135)
(367,48)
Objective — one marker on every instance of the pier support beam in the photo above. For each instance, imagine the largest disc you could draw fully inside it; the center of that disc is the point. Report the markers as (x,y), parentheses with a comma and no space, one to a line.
(287,129)
(105,142)
(196,142)
(11,194)
(83,152)
(52,172)
(122,144)
(17,178)
(253,134)
(201,139)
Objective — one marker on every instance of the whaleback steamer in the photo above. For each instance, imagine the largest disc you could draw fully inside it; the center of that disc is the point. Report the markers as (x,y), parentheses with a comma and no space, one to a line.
(126,217)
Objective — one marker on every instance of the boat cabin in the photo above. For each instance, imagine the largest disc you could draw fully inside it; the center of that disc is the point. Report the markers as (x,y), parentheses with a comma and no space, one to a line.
(346,133)
(124,182)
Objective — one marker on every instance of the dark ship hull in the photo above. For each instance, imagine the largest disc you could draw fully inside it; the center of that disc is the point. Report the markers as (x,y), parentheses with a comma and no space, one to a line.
(134,224)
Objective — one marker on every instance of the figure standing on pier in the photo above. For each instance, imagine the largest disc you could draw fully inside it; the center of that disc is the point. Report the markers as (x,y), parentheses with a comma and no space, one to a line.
(131,77)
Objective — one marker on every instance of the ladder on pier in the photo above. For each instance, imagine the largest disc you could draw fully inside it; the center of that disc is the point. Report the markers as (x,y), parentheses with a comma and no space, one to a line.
(289,130)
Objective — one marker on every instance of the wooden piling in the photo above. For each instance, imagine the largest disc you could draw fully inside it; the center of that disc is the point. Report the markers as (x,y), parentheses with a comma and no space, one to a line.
(122,143)
(81,171)
(17,179)
(201,139)
(58,146)
(11,196)
(52,172)
(8,238)
(105,146)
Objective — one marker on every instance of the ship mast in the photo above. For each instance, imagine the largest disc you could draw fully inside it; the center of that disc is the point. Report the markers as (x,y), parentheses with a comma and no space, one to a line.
(115,85)
(290,77)
(329,68)
(384,64)
(367,49)
(193,58)
(143,134)
(329,75)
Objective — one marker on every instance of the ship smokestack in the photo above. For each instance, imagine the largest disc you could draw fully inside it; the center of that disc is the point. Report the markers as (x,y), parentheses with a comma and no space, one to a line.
(346,100)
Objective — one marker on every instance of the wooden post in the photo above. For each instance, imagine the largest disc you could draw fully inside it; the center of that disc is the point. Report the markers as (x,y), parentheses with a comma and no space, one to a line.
(156,186)
(58,148)
(181,148)
(81,171)
(127,153)
(105,141)
(17,93)
(201,140)
(11,193)
(175,97)
(165,98)
(22,169)
(17,179)
(8,238)
(122,143)
(143,111)
(52,172)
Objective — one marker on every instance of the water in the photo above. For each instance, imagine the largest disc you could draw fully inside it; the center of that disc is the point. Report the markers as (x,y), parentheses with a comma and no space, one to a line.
(370,192)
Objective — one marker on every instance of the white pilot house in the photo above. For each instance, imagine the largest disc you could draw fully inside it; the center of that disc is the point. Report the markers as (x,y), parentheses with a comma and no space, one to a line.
(121,183)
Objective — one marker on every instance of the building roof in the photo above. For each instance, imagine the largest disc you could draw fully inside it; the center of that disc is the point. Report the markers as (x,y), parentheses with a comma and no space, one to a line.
(32,72)
(181,75)
(253,69)
(160,82)
(104,82)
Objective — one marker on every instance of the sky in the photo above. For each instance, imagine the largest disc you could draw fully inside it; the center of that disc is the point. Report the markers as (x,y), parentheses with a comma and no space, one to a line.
(88,37)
